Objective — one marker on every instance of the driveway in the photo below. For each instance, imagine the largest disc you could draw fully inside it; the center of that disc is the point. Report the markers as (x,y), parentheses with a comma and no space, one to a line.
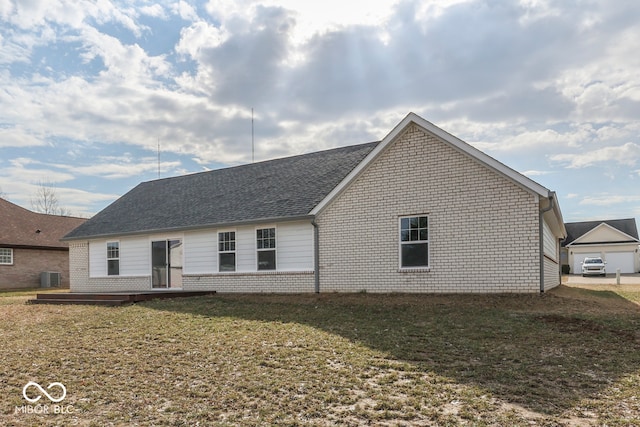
(625,279)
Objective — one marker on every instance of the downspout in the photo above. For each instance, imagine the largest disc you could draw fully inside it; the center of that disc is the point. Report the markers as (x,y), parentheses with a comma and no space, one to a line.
(316,256)
(541,239)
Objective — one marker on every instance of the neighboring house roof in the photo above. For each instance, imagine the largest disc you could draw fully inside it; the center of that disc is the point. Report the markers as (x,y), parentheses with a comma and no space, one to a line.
(576,230)
(20,227)
(288,188)
(278,189)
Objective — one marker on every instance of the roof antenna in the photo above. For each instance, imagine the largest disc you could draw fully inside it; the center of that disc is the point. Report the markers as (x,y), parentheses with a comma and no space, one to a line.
(252,142)
(158,157)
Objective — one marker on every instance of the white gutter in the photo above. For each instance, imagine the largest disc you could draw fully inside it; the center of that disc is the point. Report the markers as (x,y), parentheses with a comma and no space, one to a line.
(316,256)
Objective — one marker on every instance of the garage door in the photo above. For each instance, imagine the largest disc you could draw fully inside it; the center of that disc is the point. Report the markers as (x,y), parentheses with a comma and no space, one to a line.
(621,260)
(577,261)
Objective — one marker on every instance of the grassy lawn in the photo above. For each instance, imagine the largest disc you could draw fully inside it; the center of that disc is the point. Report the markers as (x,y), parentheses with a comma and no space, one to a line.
(569,357)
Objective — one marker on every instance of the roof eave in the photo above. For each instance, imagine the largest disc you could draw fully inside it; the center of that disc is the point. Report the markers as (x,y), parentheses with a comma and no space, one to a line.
(630,242)
(38,247)
(191,228)
(557,216)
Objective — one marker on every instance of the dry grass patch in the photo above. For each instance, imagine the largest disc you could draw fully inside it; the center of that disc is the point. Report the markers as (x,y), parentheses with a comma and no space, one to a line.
(569,357)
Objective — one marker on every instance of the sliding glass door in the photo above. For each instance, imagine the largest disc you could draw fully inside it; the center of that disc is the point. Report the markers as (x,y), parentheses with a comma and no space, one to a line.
(166,264)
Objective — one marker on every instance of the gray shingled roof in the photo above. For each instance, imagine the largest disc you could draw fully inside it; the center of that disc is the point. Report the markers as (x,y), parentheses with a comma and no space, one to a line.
(277,189)
(576,230)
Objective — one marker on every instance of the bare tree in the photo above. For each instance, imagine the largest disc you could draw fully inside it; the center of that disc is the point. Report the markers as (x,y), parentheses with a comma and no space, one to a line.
(45,200)
(2,194)
(62,211)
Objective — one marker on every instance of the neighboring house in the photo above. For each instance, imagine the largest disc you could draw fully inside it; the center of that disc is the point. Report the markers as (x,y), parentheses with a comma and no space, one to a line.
(419,211)
(30,245)
(615,240)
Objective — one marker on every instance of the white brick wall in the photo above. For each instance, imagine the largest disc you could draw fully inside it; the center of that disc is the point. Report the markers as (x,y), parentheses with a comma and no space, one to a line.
(78,265)
(293,282)
(483,228)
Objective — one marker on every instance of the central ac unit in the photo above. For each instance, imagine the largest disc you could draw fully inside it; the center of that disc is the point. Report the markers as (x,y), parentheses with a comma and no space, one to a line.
(49,279)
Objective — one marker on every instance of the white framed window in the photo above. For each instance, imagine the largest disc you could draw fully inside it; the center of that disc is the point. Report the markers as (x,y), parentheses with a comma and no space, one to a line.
(414,241)
(113,258)
(266,247)
(227,251)
(6,256)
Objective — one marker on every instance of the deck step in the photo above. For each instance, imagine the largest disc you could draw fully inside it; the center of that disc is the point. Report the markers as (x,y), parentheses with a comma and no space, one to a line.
(68,301)
(112,298)
(84,296)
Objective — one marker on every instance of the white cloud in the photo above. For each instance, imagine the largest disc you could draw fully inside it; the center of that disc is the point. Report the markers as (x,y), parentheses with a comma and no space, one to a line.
(536,10)
(39,14)
(154,10)
(23,161)
(540,139)
(11,52)
(608,76)
(32,171)
(536,173)
(608,199)
(508,138)
(80,202)
(6,8)
(21,181)
(618,132)
(18,137)
(127,62)
(124,168)
(185,11)
(627,154)
(312,18)
(199,36)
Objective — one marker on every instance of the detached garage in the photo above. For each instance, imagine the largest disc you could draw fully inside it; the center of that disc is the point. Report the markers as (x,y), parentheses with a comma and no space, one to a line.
(616,241)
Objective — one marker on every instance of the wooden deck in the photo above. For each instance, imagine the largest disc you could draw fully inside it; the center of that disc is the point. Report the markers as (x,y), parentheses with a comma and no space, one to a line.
(112,298)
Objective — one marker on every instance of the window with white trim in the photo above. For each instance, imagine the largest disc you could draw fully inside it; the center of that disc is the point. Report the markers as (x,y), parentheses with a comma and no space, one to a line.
(6,256)
(113,258)
(227,251)
(414,242)
(266,246)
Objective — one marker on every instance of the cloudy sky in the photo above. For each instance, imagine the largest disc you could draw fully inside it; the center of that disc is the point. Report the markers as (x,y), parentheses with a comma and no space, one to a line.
(90,88)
